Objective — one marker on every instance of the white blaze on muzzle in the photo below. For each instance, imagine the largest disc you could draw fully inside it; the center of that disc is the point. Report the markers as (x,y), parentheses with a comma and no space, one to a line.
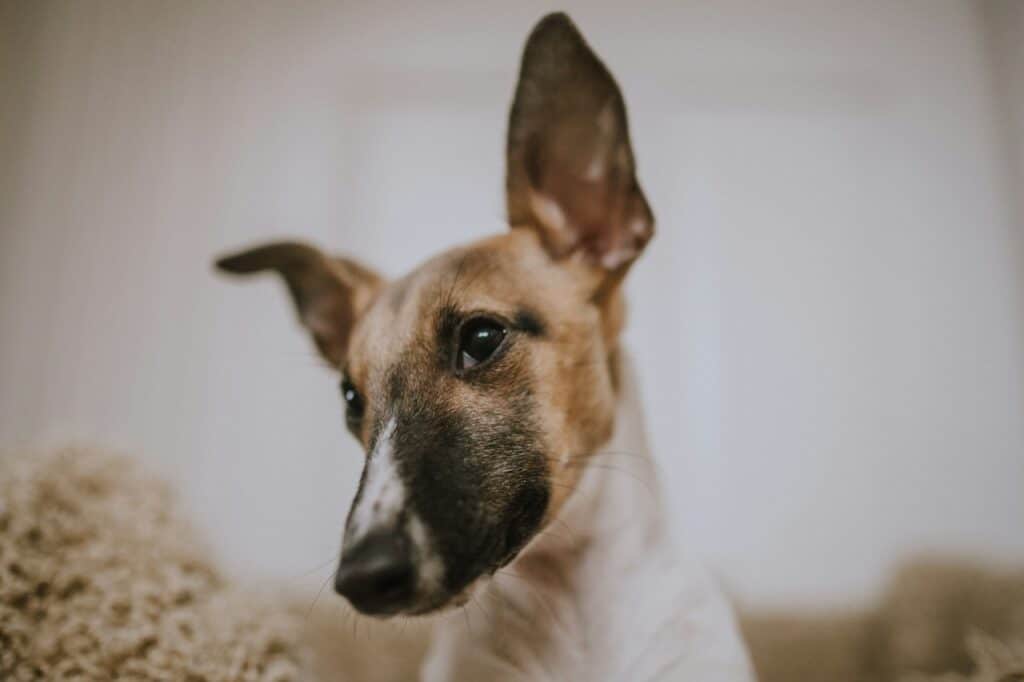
(383,495)
(382,502)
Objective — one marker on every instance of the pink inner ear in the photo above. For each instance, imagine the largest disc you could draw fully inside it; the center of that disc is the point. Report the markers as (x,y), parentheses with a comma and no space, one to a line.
(590,204)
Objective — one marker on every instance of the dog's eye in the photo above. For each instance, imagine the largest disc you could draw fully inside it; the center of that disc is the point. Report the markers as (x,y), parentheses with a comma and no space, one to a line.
(479,340)
(353,401)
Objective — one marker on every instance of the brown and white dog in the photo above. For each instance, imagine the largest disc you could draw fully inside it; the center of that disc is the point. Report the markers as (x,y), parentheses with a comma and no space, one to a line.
(507,480)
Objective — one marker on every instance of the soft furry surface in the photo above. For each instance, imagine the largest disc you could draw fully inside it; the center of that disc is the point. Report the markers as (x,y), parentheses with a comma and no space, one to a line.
(101,579)
(940,620)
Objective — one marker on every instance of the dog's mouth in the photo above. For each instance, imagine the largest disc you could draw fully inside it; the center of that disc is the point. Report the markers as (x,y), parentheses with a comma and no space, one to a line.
(386,592)
(431,604)
(388,574)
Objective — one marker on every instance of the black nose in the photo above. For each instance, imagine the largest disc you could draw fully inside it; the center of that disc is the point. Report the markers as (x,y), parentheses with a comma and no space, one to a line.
(377,575)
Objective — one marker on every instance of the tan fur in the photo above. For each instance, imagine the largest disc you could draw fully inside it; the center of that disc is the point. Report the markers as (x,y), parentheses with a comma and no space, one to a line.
(569,367)
(578,220)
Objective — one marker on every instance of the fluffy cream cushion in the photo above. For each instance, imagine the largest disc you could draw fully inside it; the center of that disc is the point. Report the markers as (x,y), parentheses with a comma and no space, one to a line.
(940,619)
(100,580)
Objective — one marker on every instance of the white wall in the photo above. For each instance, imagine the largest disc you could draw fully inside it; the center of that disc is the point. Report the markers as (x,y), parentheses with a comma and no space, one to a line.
(830,322)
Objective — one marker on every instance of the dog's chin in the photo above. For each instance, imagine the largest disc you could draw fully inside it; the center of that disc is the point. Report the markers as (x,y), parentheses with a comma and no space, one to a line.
(418,608)
(441,602)
(423,605)
(431,606)
(436,601)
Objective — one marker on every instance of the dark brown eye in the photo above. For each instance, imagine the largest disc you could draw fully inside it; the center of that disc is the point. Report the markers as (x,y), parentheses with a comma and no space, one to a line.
(354,406)
(479,339)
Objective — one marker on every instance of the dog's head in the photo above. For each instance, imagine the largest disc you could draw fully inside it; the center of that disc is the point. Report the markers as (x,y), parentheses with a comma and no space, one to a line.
(477,382)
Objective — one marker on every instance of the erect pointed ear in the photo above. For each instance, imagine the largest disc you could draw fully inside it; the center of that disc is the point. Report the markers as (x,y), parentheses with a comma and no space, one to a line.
(570,171)
(330,293)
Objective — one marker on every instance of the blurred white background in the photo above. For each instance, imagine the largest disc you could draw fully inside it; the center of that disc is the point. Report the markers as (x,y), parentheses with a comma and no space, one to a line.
(829,324)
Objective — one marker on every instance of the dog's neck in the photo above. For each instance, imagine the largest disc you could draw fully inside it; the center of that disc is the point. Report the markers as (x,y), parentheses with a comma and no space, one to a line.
(616,507)
(600,594)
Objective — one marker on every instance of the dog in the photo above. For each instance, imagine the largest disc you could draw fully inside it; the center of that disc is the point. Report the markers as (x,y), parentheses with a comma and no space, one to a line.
(508,487)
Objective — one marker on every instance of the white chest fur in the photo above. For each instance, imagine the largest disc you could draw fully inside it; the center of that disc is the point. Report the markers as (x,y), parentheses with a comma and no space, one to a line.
(601,596)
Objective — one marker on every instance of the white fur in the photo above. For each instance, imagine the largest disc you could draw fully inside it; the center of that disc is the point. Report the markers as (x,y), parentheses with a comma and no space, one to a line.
(383,499)
(620,602)
(430,566)
(383,491)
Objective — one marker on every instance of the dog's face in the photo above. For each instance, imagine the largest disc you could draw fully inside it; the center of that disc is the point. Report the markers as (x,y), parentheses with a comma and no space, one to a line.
(479,382)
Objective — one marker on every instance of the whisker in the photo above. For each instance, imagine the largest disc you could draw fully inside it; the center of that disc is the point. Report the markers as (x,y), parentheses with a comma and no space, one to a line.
(509,607)
(465,614)
(563,486)
(625,472)
(583,461)
(572,533)
(506,605)
(538,597)
(329,578)
(311,571)
(567,540)
(487,618)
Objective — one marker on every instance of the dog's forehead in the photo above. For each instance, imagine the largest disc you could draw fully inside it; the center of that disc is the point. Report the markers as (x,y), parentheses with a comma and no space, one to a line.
(501,275)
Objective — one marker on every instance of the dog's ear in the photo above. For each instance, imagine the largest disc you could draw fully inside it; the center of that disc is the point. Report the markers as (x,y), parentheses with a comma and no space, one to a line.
(330,293)
(570,171)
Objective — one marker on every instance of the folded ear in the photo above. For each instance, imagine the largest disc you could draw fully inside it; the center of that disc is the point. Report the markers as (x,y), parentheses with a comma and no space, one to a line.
(330,293)
(570,170)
